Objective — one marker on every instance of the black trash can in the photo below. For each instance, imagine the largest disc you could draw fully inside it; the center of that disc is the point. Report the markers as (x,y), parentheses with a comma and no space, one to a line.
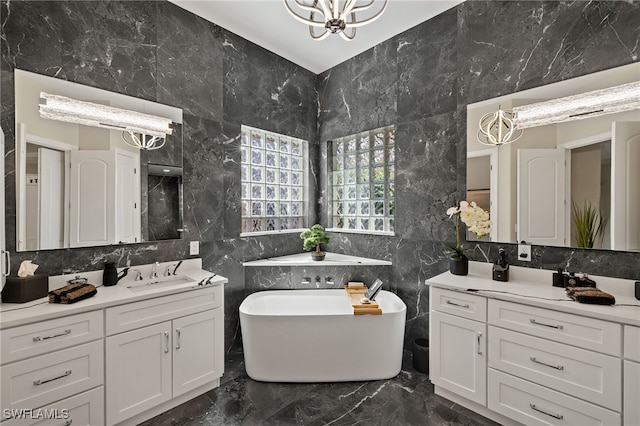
(421,355)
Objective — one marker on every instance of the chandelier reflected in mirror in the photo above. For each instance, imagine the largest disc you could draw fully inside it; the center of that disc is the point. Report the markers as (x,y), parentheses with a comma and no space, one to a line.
(335,16)
(498,128)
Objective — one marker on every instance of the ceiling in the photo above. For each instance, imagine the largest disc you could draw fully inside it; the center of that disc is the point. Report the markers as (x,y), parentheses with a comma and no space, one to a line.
(268,24)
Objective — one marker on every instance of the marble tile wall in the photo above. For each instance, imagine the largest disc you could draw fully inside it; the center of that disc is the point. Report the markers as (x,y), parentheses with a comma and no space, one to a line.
(160,52)
(420,80)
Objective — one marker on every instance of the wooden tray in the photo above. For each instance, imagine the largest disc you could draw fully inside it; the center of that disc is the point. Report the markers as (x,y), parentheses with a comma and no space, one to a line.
(357,293)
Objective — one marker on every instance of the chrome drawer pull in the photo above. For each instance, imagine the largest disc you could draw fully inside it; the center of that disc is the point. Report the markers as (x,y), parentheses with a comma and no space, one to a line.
(555,416)
(177,338)
(478,342)
(39,339)
(42,382)
(166,347)
(449,302)
(558,327)
(557,367)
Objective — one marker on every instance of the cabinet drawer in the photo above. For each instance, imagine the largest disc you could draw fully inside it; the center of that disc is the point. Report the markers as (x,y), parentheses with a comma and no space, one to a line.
(86,408)
(632,343)
(532,404)
(47,378)
(42,337)
(152,311)
(588,375)
(584,332)
(459,304)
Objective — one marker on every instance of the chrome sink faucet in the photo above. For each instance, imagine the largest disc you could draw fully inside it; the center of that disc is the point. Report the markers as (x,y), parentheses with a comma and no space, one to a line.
(154,270)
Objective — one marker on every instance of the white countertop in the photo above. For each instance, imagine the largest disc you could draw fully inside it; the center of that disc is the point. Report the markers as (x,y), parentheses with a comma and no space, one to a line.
(15,314)
(331,259)
(533,287)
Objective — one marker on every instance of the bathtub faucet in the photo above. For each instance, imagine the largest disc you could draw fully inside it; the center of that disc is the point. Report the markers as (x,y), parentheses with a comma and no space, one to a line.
(318,281)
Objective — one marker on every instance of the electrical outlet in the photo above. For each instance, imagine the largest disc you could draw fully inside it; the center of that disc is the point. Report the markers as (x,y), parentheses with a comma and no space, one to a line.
(194,248)
(524,252)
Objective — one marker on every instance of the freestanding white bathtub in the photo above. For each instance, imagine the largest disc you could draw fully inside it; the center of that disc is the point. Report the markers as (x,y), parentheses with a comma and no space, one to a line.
(313,336)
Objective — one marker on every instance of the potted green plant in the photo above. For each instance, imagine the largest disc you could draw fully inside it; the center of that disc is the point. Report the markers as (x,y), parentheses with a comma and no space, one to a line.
(313,237)
(590,224)
(477,220)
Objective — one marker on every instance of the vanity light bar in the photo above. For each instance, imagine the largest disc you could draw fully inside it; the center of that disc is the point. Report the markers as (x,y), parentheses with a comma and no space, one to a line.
(61,108)
(625,97)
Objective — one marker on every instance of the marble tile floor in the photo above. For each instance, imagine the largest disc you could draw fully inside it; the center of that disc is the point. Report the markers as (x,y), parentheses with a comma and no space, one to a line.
(407,399)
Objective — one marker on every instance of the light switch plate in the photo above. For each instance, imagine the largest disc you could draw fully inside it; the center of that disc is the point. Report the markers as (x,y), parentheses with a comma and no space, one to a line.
(524,252)
(194,248)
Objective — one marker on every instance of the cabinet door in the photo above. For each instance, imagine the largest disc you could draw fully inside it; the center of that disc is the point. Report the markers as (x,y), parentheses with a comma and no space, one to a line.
(138,371)
(631,408)
(458,356)
(197,357)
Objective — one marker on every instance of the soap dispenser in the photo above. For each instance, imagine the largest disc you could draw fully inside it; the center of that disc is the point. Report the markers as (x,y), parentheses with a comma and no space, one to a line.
(501,267)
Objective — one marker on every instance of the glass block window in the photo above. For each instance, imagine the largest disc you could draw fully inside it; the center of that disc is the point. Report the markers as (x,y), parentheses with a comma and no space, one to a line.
(273,175)
(362,181)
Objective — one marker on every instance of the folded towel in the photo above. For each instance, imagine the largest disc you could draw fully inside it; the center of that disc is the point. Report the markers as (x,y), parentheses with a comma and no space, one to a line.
(72,293)
(590,295)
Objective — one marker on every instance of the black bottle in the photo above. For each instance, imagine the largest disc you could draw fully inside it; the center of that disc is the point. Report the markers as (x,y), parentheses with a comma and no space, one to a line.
(501,267)
(558,278)
(110,274)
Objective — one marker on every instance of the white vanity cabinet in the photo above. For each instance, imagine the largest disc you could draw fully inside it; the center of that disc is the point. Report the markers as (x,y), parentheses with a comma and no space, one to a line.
(631,376)
(160,349)
(523,353)
(458,359)
(49,364)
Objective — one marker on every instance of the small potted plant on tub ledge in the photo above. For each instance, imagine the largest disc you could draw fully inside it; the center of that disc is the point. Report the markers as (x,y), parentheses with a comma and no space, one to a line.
(313,237)
(477,220)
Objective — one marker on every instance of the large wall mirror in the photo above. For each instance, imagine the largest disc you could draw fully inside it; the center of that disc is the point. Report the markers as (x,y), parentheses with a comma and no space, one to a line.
(543,188)
(81,186)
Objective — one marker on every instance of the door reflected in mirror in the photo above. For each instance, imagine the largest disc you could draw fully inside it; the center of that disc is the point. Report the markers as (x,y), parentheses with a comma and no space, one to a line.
(80,186)
(532,185)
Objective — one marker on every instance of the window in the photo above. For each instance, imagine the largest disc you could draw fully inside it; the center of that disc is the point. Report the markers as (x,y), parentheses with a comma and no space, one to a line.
(274,181)
(362,181)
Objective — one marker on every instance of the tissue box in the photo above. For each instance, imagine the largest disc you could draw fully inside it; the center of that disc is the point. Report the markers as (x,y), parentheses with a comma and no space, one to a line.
(21,290)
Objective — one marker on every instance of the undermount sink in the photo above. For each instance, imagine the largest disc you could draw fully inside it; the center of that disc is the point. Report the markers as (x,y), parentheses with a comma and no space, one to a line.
(156,283)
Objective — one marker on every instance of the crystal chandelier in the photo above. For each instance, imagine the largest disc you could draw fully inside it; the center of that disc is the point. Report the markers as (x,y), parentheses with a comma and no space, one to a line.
(142,131)
(330,17)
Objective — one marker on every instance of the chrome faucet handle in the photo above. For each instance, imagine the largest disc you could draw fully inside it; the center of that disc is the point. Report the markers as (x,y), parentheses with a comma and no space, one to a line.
(329,281)
(167,272)
(306,280)
(138,274)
